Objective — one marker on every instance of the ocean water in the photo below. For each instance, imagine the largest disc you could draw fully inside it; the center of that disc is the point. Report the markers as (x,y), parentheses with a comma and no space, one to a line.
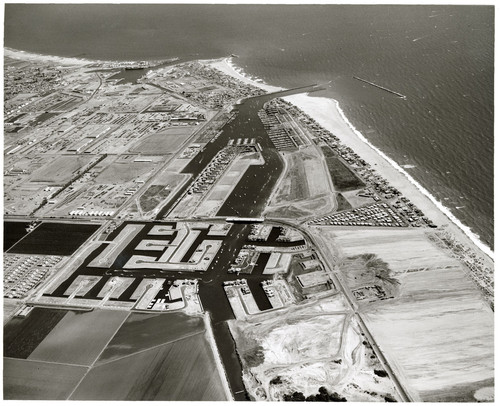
(439,56)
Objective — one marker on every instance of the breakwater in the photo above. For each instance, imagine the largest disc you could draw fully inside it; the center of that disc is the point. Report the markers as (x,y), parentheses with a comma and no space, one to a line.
(381,87)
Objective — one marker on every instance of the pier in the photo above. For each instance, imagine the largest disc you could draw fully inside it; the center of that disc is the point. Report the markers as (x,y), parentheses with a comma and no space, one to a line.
(381,87)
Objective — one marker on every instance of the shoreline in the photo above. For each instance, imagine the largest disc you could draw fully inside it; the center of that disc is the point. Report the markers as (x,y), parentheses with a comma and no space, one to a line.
(67,60)
(428,211)
(226,66)
(476,240)
(32,56)
(328,113)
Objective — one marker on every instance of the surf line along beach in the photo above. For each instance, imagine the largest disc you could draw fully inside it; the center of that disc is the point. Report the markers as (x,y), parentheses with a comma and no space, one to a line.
(328,113)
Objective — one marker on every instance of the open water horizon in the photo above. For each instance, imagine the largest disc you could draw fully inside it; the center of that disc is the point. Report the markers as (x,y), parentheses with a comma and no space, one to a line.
(440,57)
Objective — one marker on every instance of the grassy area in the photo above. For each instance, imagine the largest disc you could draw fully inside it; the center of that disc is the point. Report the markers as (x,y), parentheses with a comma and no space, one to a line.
(342,203)
(343,178)
(153,196)
(297,173)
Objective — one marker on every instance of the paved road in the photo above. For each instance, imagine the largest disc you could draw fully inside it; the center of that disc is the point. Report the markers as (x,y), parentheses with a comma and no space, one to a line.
(326,257)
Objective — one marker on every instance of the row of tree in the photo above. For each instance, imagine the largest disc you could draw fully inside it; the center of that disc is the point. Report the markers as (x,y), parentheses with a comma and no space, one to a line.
(322,396)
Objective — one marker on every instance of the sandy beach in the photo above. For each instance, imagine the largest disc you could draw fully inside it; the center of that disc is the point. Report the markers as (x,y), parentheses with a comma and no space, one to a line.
(15,54)
(327,112)
(225,66)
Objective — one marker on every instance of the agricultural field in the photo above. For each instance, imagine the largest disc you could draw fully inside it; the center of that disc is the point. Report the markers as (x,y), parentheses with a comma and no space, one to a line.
(79,337)
(10,307)
(180,370)
(145,330)
(22,335)
(437,332)
(165,142)
(55,239)
(60,170)
(13,231)
(144,357)
(30,380)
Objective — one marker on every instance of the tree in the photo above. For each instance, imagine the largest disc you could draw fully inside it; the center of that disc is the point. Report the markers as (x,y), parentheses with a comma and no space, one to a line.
(380,372)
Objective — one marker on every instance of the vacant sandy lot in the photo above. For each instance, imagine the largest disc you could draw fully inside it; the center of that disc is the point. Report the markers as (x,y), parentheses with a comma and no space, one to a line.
(402,248)
(124,171)
(60,170)
(165,142)
(305,347)
(304,189)
(305,177)
(438,333)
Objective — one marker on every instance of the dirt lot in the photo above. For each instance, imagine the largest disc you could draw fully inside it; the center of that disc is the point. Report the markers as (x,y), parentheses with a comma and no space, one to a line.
(305,177)
(124,171)
(165,142)
(60,170)
(305,347)
(305,189)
